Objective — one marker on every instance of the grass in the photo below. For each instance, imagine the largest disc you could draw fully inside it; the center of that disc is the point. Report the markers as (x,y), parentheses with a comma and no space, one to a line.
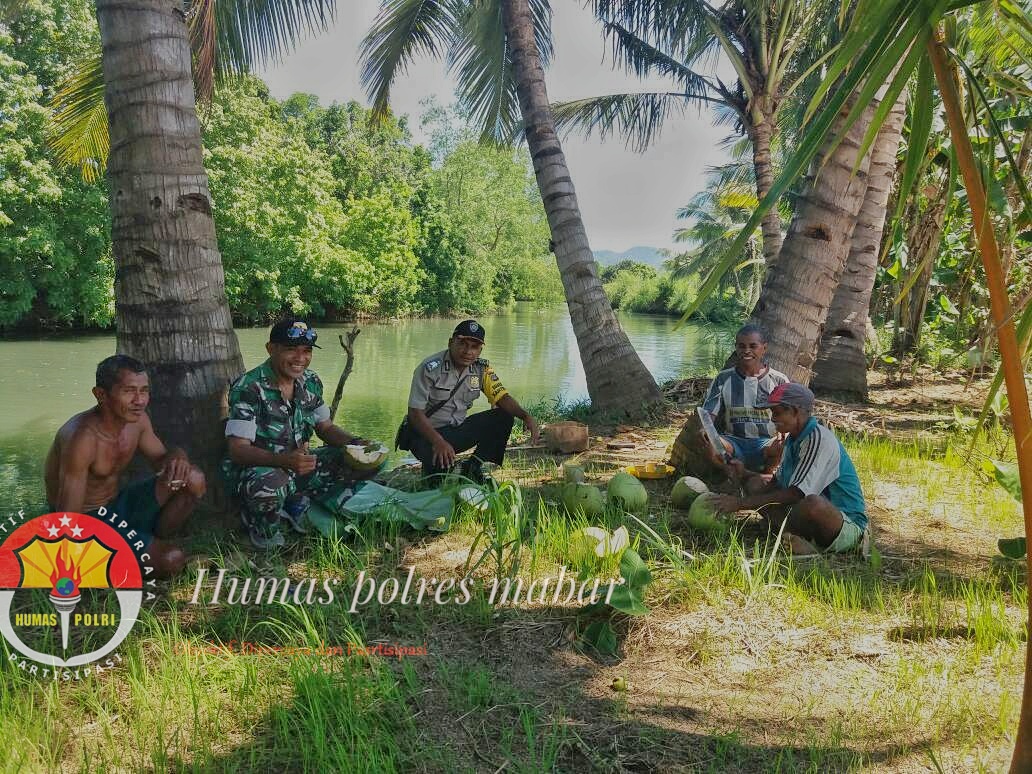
(747,661)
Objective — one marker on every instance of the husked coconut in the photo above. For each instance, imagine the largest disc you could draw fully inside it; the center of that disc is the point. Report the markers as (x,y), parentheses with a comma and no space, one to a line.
(686,490)
(627,492)
(365,457)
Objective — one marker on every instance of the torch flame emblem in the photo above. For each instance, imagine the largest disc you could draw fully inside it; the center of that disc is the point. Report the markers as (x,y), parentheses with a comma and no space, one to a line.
(66,576)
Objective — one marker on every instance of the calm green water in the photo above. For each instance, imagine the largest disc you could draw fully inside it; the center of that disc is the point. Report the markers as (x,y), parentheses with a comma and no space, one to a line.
(43,381)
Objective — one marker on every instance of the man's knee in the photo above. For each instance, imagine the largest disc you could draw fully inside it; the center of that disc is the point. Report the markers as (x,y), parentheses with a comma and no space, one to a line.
(266,490)
(196,484)
(502,421)
(812,505)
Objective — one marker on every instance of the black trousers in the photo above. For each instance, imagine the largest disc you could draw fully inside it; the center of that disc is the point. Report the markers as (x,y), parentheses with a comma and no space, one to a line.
(488,431)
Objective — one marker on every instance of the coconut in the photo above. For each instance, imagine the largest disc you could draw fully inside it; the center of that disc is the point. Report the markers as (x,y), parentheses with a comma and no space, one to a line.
(686,490)
(474,497)
(584,498)
(703,514)
(627,492)
(365,457)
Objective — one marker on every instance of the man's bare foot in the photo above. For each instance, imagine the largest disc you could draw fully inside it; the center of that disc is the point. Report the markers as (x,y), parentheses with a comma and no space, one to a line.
(167,559)
(798,547)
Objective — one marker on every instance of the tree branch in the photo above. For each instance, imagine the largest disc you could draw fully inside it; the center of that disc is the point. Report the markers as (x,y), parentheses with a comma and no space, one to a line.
(349,347)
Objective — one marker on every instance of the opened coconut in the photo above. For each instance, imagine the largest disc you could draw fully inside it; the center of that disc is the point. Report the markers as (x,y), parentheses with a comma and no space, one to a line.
(583,497)
(686,490)
(627,492)
(368,457)
(703,514)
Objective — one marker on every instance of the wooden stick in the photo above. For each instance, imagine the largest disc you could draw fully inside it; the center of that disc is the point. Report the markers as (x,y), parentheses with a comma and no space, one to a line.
(349,348)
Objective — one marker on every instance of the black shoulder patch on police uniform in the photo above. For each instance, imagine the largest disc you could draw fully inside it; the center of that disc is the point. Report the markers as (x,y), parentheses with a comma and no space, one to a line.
(481,361)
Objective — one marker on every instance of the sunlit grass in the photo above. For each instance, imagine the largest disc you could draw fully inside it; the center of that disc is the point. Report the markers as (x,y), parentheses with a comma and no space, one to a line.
(899,657)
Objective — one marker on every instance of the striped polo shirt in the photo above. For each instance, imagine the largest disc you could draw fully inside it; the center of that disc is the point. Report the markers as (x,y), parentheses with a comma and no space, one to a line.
(734,396)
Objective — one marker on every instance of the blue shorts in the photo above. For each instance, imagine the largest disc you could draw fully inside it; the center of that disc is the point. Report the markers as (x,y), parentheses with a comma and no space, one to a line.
(137,504)
(749,450)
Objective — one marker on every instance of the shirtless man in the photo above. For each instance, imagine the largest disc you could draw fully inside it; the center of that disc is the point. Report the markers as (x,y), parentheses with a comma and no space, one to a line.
(92,448)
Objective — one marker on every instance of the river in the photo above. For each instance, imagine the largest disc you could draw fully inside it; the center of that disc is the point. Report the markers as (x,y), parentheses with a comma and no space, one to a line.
(46,379)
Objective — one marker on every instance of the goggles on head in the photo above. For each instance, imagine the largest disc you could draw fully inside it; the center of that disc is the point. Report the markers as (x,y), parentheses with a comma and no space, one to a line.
(302,332)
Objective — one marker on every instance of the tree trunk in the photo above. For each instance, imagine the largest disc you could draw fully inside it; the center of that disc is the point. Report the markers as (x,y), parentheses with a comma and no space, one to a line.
(170,302)
(841,363)
(798,289)
(617,380)
(922,247)
(760,134)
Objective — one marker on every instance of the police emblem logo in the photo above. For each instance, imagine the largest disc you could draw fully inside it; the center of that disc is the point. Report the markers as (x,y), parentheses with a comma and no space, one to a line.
(432,365)
(473,327)
(474,382)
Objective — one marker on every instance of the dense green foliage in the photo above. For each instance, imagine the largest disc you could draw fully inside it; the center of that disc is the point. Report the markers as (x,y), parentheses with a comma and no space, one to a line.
(317,208)
(55,261)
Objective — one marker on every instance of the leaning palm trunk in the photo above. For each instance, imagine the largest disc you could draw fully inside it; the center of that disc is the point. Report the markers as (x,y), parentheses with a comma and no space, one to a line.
(616,378)
(170,302)
(798,289)
(841,364)
(760,134)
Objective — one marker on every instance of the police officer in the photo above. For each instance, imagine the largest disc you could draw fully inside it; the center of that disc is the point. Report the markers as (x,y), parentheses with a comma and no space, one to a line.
(444,387)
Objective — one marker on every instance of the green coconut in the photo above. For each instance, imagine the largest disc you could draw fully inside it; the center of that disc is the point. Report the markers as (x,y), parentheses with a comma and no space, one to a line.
(582,497)
(627,492)
(686,490)
(703,515)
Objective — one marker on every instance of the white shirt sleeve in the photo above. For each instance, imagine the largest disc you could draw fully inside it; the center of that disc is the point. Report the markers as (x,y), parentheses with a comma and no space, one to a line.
(818,463)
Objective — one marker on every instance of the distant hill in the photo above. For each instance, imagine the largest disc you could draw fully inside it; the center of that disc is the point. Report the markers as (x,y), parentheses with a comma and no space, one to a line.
(649,255)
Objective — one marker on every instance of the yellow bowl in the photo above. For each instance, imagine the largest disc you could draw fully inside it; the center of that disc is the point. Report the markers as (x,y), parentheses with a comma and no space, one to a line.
(650,470)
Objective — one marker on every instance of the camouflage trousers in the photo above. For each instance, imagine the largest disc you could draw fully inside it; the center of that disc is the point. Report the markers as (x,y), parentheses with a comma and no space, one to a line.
(263,490)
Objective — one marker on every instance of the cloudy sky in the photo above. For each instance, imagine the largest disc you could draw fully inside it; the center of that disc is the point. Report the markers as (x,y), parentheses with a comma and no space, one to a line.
(626,198)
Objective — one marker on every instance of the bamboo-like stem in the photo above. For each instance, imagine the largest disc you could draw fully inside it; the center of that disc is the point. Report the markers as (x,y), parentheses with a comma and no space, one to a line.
(1010,354)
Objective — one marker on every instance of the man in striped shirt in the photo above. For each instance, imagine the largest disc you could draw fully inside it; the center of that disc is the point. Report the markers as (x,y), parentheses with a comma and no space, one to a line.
(816,492)
(733,400)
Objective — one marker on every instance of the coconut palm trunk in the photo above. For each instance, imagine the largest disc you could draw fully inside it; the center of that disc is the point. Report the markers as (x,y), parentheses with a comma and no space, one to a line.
(798,289)
(923,243)
(760,133)
(841,364)
(617,379)
(170,302)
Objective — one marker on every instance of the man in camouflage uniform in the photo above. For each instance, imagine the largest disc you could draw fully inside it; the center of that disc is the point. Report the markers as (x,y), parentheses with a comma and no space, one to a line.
(444,386)
(274,410)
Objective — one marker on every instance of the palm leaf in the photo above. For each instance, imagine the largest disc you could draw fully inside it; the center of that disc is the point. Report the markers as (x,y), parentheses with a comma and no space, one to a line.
(637,117)
(402,31)
(479,59)
(253,33)
(641,58)
(77,131)
(867,56)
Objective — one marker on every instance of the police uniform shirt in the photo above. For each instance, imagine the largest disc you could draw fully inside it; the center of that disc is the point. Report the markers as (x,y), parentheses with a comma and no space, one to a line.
(436,377)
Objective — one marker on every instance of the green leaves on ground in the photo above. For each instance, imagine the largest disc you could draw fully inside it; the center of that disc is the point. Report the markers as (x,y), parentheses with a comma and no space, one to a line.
(1006,474)
(627,598)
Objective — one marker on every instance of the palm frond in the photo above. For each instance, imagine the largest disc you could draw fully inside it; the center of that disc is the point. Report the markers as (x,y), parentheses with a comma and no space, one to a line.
(638,117)
(253,33)
(403,30)
(203,25)
(641,58)
(77,131)
(479,58)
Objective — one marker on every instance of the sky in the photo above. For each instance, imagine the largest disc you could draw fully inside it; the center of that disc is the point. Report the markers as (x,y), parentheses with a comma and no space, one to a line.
(626,198)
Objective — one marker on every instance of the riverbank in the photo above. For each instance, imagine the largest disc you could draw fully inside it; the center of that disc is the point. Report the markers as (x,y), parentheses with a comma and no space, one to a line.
(746,661)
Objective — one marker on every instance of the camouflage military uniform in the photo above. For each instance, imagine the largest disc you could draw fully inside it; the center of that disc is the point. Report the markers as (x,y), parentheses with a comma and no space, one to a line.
(258,412)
